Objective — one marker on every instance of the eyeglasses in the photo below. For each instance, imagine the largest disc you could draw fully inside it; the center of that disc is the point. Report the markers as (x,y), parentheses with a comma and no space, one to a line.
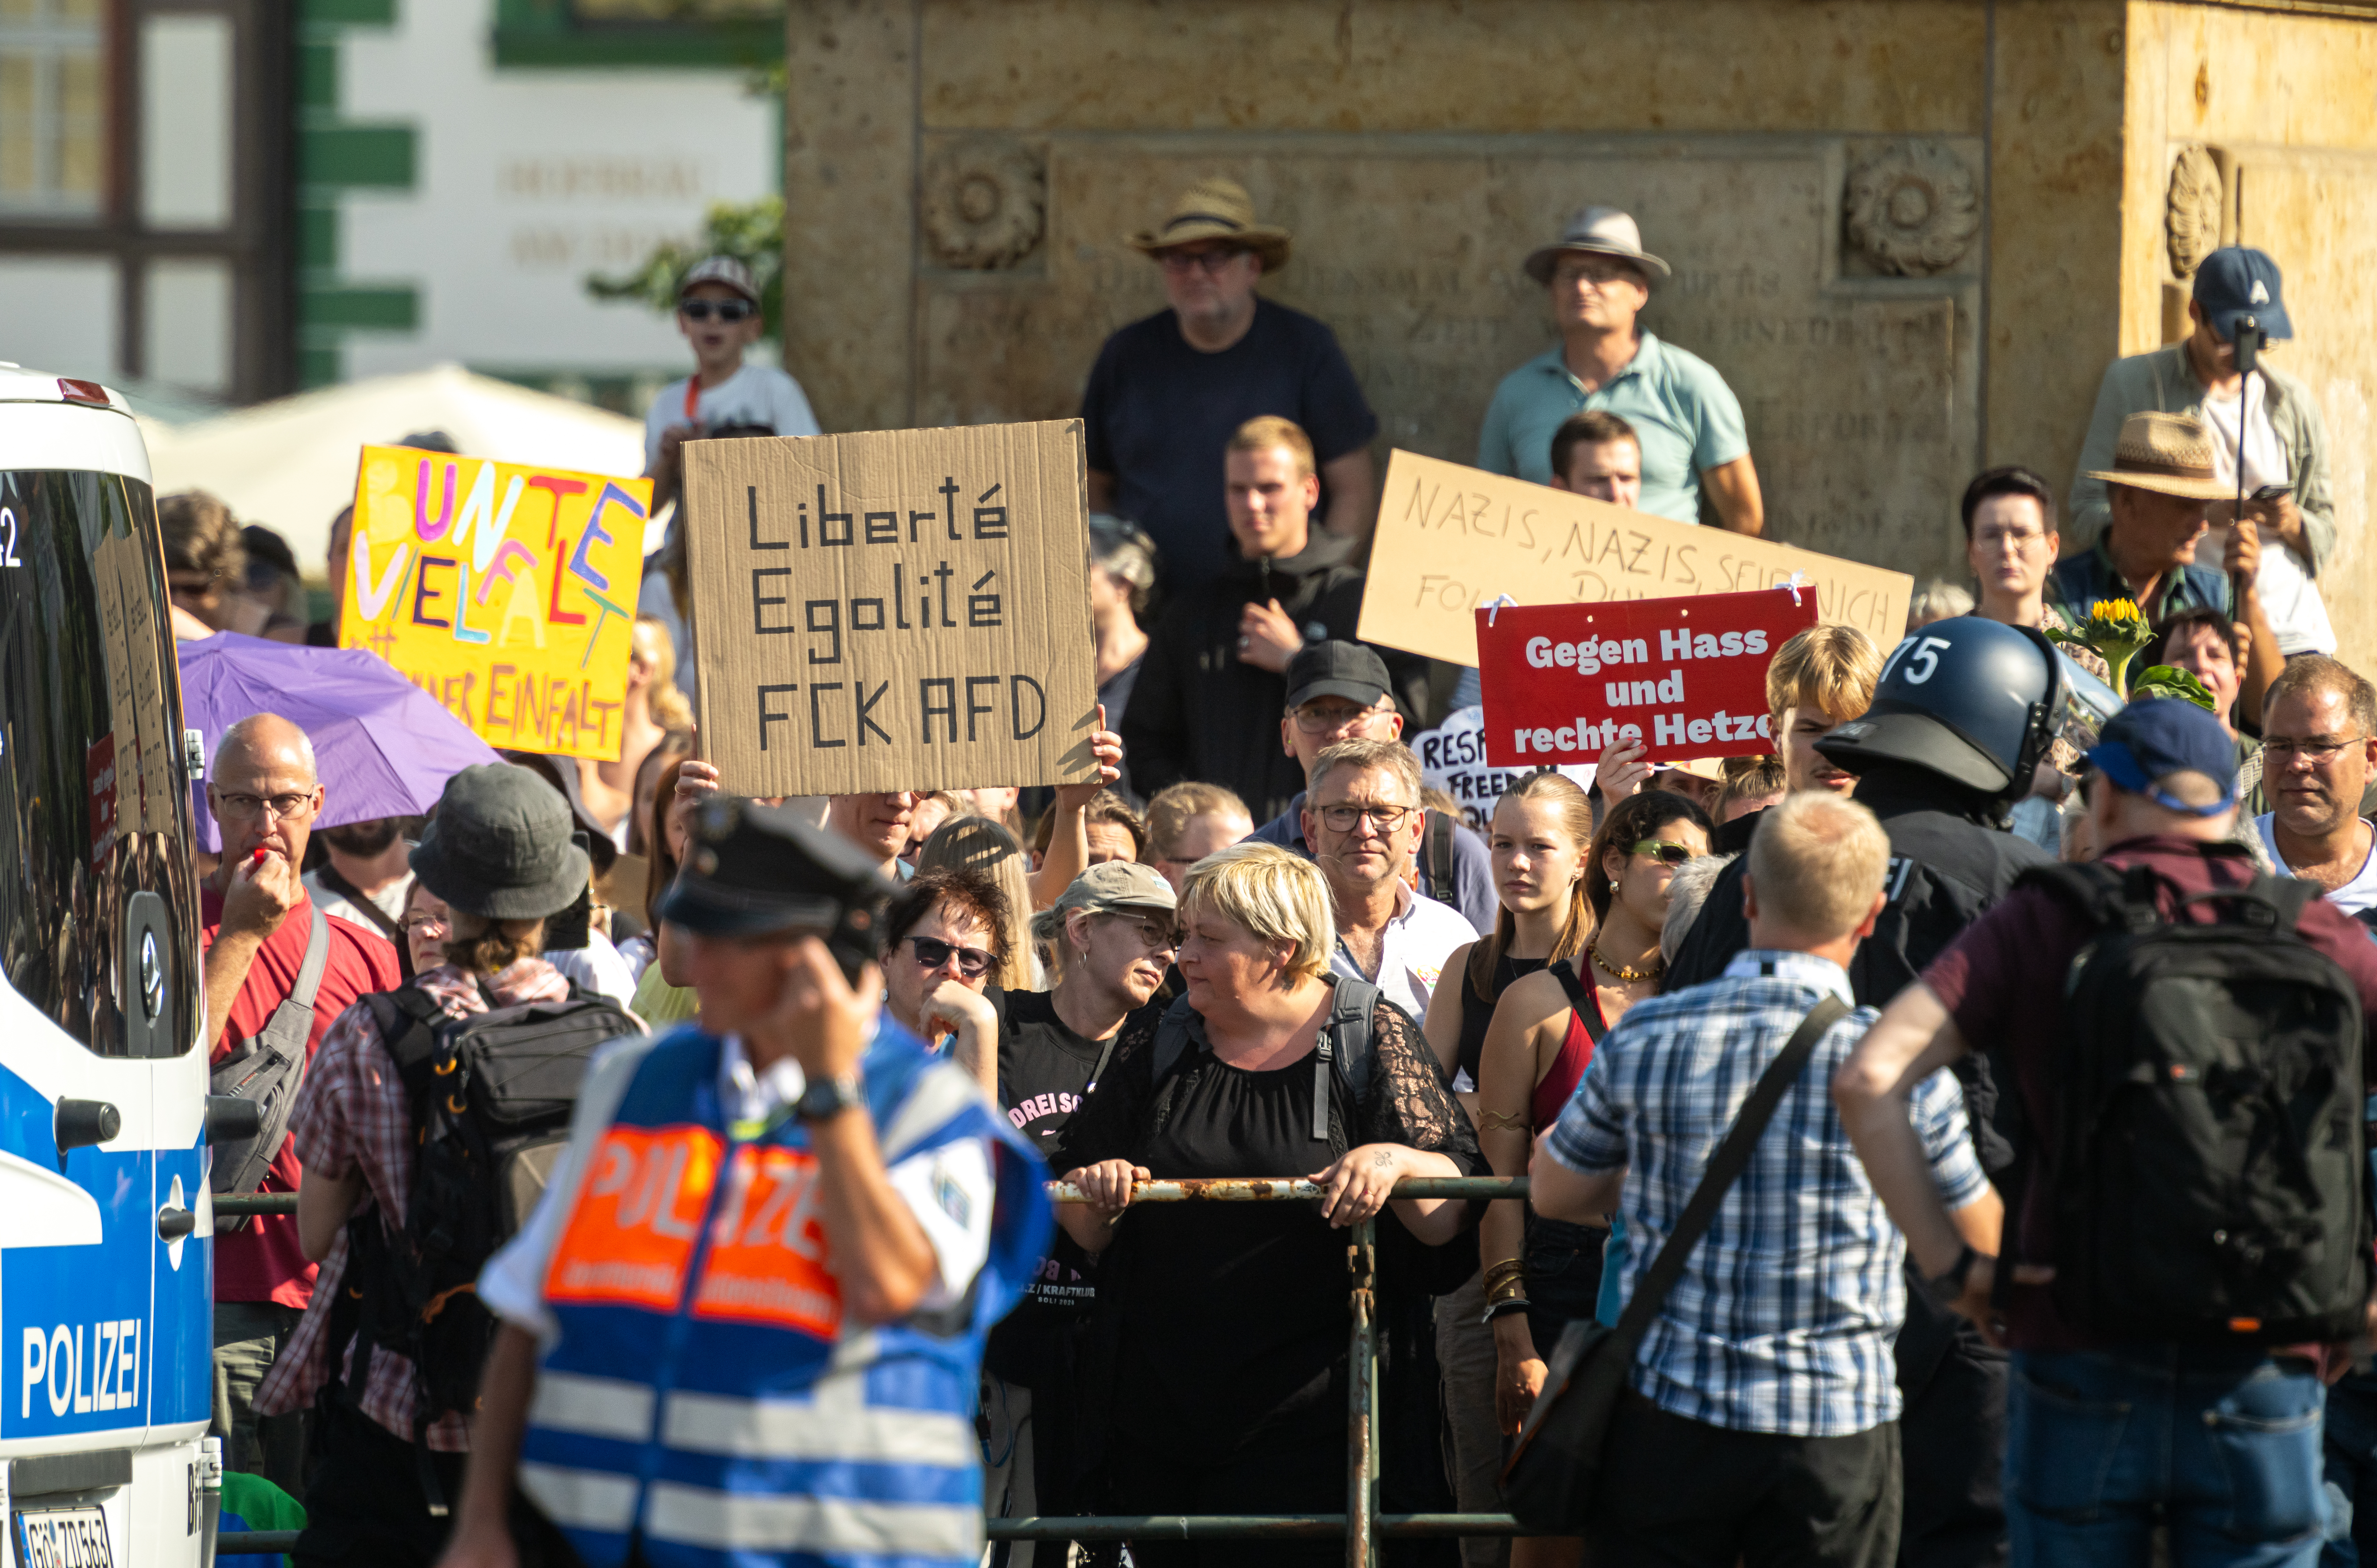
(727,310)
(1386,818)
(428,925)
(1667,852)
(1320,721)
(240,808)
(2318,753)
(933,952)
(1593,270)
(1153,935)
(1211,261)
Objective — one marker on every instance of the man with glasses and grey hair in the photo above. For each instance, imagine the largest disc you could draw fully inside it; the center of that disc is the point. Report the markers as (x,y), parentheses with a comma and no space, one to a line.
(1362,819)
(276,965)
(2318,744)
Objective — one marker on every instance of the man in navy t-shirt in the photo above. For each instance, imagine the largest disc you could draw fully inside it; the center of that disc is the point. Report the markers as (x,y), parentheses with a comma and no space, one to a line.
(1167,392)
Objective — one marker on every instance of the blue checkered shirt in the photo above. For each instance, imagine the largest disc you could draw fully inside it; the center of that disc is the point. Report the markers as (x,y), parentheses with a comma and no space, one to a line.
(1783,1319)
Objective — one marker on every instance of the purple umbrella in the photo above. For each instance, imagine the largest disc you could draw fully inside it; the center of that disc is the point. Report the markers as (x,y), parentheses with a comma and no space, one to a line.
(385,746)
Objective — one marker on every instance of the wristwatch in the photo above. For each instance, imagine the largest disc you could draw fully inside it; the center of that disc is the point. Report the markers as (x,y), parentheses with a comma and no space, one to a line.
(821,1101)
(1948,1287)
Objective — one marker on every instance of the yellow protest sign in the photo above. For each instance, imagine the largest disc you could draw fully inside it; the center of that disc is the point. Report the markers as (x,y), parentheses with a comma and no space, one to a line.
(1452,540)
(505,591)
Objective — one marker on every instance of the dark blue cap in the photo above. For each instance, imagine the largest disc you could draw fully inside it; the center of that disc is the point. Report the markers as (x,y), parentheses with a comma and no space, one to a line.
(2237,281)
(2161,736)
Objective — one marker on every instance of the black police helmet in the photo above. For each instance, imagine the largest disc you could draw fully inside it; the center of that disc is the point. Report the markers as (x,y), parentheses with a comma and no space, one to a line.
(1972,701)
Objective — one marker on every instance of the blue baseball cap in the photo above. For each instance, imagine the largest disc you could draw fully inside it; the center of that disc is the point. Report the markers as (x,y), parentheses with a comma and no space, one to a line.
(2239,281)
(2162,735)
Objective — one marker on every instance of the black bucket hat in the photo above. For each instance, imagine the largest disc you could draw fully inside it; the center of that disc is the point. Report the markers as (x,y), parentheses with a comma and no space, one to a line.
(500,848)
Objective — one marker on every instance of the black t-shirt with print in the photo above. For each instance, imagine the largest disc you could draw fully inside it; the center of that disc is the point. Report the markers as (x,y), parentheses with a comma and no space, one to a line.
(1044,1067)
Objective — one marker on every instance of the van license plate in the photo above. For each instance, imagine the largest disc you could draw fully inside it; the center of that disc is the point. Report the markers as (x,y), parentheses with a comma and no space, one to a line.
(63,1537)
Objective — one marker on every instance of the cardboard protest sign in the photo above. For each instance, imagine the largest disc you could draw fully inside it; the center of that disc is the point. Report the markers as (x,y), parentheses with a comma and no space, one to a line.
(1450,539)
(505,591)
(1452,758)
(1685,677)
(895,609)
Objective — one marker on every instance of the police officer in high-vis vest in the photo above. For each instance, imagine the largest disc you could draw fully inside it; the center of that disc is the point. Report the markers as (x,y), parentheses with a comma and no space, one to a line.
(746,1324)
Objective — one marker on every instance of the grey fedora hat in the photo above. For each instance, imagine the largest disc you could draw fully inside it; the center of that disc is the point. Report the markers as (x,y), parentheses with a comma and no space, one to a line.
(500,847)
(1603,230)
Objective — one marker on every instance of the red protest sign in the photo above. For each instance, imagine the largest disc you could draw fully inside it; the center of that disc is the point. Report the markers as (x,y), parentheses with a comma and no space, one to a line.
(1687,675)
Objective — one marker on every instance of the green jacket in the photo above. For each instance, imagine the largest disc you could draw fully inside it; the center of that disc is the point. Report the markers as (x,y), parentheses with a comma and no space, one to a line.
(2164,381)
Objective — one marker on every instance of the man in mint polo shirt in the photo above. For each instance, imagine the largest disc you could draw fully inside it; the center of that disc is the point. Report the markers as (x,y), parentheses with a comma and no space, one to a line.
(1687,419)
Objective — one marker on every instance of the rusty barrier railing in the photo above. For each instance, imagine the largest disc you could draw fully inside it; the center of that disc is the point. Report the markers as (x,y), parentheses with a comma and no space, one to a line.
(1361,1525)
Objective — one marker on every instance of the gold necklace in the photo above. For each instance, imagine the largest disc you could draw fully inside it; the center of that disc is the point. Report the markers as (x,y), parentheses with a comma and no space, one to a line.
(1619,970)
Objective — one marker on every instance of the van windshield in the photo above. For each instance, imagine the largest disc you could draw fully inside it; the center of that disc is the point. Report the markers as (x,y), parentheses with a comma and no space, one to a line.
(98,911)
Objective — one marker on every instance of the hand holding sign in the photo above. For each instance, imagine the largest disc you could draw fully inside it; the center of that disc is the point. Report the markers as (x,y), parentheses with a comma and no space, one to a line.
(1680,677)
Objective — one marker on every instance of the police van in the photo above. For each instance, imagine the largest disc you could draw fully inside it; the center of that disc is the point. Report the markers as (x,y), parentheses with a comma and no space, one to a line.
(106,1248)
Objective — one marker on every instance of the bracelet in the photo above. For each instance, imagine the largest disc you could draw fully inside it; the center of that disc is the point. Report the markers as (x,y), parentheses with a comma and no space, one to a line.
(1513,1288)
(1509,1268)
(1504,1308)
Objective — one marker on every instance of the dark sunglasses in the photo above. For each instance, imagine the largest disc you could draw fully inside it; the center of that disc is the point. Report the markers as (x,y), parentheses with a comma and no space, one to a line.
(727,310)
(1666,852)
(973,963)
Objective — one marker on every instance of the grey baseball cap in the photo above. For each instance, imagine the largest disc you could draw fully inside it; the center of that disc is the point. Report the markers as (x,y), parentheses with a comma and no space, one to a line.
(1117,884)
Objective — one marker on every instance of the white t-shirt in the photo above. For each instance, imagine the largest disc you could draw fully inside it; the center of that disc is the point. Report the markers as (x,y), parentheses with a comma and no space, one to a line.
(756,394)
(950,1189)
(598,967)
(2289,597)
(2353,896)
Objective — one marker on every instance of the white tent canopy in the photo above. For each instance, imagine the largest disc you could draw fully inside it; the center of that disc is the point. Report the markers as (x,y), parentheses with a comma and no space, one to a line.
(290,464)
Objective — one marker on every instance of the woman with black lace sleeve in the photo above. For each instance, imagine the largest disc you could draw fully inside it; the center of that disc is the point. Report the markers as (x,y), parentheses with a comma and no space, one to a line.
(1230,1319)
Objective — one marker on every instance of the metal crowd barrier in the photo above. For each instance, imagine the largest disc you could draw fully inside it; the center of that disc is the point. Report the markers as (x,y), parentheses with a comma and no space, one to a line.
(1361,1525)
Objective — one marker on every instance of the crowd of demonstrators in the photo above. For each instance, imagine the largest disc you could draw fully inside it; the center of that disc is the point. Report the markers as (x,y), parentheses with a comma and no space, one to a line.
(1760,1422)
(1210,1408)
(1340,692)
(2217,1444)
(279,971)
(1216,669)
(2267,423)
(1167,392)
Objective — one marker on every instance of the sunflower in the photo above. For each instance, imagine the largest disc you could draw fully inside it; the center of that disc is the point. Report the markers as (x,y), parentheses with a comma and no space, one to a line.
(2116,631)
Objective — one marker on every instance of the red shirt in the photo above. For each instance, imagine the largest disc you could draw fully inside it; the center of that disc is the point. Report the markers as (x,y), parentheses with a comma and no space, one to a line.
(262,1262)
(1999,981)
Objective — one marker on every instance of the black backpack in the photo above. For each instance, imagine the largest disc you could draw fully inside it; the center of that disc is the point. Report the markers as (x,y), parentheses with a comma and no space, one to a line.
(491,1097)
(2207,1175)
(1435,862)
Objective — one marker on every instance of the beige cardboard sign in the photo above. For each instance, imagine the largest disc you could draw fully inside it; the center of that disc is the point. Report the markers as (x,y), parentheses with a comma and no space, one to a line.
(895,609)
(1450,539)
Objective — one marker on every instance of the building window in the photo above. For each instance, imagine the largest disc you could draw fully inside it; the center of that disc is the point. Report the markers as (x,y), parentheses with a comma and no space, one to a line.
(688,11)
(52,109)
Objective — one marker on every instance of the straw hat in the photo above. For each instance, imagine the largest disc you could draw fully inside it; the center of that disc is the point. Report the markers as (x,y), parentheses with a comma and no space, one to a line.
(1605,230)
(1215,208)
(2168,453)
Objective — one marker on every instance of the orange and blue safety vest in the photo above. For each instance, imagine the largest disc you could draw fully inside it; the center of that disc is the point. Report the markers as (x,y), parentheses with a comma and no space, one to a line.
(705,1397)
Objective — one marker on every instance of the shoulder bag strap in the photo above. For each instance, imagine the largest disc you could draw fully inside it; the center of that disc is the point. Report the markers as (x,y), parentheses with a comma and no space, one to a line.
(1725,1167)
(1581,1000)
(292,1023)
(329,877)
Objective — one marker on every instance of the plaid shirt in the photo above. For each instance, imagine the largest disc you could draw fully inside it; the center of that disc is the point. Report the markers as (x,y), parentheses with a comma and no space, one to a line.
(1783,1319)
(352,1116)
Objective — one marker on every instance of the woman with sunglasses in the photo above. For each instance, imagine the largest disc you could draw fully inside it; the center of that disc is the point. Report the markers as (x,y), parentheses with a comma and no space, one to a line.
(1543,1035)
(944,940)
(1226,1322)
